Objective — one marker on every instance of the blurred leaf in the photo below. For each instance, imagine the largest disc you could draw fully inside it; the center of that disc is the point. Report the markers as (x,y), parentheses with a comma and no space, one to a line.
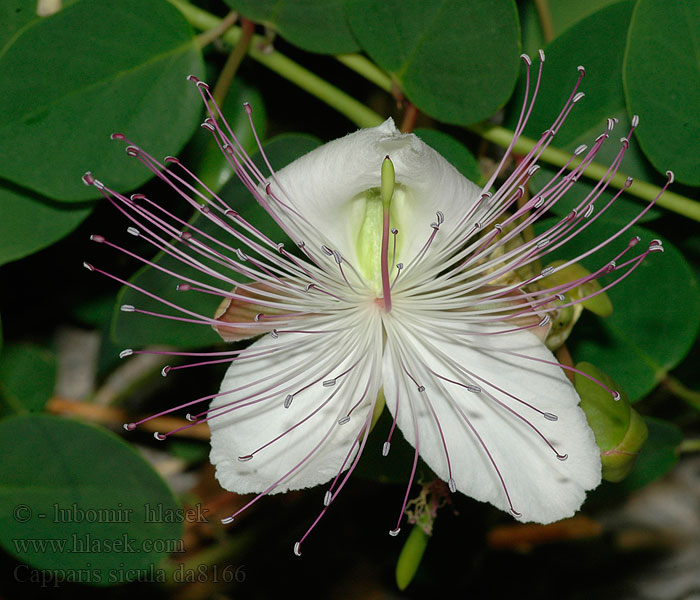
(604,33)
(95,67)
(658,455)
(662,78)
(563,14)
(313,25)
(656,310)
(53,472)
(27,376)
(454,152)
(28,223)
(138,330)
(444,53)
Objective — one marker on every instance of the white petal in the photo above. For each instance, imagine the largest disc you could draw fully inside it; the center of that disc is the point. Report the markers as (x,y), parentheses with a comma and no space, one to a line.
(316,445)
(541,487)
(322,184)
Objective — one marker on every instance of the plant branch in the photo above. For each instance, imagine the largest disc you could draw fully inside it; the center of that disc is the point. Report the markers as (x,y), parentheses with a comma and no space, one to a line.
(362,116)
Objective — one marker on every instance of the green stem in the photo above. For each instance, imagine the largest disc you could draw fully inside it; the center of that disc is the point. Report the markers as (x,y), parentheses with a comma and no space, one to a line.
(362,116)
(689,446)
(689,396)
(287,68)
(641,189)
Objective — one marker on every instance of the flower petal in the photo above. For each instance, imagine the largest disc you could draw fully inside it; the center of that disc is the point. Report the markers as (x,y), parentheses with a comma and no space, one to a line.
(501,437)
(295,442)
(323,184)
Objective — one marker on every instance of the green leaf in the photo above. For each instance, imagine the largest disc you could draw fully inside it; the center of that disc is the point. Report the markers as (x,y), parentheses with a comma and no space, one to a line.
(662,78)
(658,455)
(596,42)
(27,376)
(137,330)
(313,25)
(656,312)
(95,67)
(444,54)
(88,494)
(563,14)
(29,223)
(454,152)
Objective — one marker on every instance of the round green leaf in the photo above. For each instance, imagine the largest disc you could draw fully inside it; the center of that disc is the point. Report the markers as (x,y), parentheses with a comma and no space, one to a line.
(29,223)
(563,14)
(76,497)
(27,376)
(137,330)
(95,67)
(456,61)
(662,77)
(312,25)
(656,310)
(596,42)
(453,151)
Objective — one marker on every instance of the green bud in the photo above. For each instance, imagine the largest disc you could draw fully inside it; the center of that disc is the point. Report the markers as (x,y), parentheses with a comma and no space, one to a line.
(599,305)
(410,557)
(619,430)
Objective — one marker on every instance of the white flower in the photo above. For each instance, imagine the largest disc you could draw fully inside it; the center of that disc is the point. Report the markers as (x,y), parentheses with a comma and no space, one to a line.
(400,285)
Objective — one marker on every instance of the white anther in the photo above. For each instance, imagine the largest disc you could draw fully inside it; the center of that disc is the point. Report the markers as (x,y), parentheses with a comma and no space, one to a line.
(296,549)
(394,532)
(580,150)
(133,231)
(326,250)
(547,271)
(526,59)
(545,320)
(127,308)
(125,353)
(550,416)
(577,97)
(473,388)
(452,485)
(288,400)
(227,520)
(327,498)
(635,120)
(328,383)
(385,448)
(344,420)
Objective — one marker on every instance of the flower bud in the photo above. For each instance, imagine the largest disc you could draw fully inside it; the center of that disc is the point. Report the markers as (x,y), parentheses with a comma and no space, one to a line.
(410,557)
(619,430)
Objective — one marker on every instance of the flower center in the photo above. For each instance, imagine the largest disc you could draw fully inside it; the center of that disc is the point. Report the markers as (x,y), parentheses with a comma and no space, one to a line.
(378,243)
